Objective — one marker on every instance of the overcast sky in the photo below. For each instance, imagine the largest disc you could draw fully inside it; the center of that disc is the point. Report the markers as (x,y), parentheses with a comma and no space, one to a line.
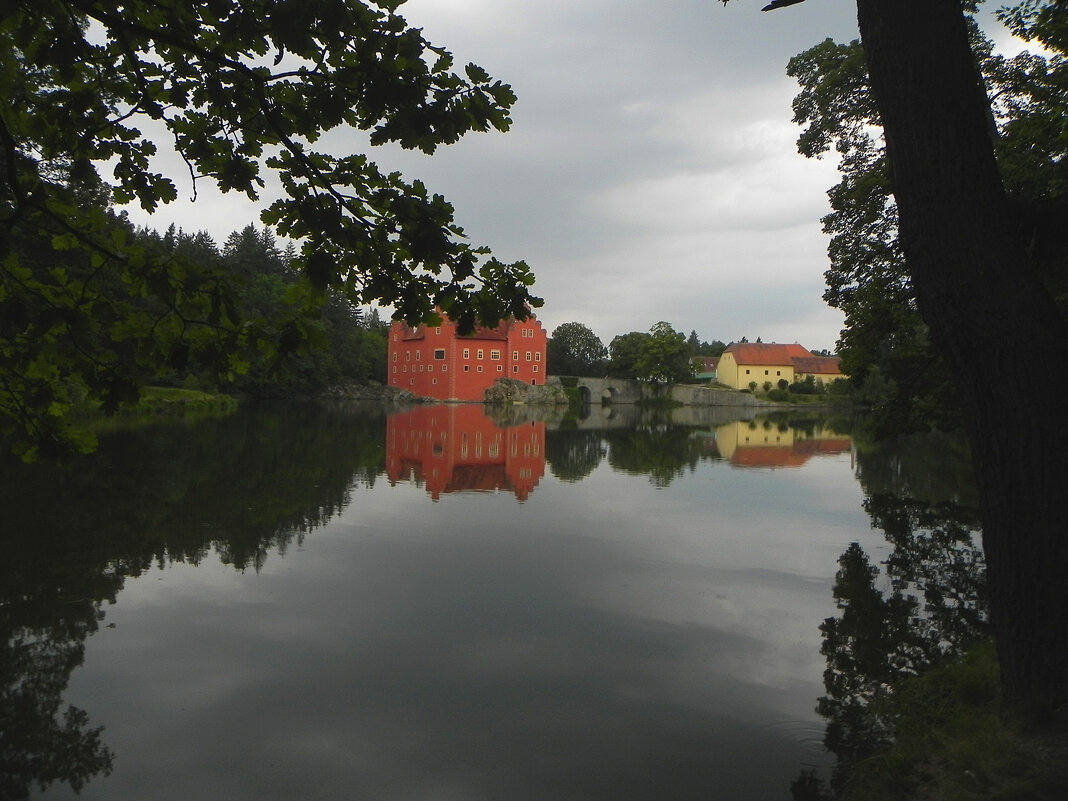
(651,171)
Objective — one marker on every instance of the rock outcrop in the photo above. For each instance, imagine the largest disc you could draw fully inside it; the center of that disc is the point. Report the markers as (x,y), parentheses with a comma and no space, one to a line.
(510,391)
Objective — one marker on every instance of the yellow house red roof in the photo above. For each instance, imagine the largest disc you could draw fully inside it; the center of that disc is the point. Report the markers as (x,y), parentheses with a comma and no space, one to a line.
(768,353)
(818,365)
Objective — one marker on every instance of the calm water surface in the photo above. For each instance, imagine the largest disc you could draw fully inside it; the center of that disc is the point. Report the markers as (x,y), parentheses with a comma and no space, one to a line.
(323,603)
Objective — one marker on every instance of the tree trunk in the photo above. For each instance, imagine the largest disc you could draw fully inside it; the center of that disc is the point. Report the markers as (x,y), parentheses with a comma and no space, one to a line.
(997,326)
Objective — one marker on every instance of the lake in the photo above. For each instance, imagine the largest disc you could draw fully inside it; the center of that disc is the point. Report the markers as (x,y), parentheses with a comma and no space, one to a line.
(310,601)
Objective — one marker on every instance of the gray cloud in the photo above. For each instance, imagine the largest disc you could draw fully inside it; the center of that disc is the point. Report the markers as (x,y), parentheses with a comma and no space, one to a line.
(650,172)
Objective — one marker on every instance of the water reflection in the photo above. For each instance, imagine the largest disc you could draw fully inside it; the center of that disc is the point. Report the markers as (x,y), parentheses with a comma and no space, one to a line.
(779,441)
(921,609)
(240,487)
(618,639)
(458,448)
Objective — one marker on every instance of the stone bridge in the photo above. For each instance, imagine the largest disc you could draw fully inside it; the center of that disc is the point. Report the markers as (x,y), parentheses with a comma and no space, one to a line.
(612,391)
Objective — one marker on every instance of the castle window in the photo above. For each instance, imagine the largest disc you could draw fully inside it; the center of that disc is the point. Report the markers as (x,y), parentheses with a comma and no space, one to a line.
(439,354)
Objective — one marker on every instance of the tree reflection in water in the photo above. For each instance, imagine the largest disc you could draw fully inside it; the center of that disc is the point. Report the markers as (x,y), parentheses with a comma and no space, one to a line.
(242,487)
(923,610)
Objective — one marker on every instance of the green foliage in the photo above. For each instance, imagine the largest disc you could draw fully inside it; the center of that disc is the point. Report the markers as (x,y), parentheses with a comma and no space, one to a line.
(885,346)
(573,349)
(663,357)
(241,90)
(779,396)
(623,351)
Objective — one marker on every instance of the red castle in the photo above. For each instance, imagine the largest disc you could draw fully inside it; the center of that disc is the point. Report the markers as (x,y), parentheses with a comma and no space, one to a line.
(434,361)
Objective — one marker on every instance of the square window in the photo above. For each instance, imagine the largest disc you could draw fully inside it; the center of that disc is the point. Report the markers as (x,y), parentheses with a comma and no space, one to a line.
(500,368)
(439,354)
(467,368)
(479,368)
(495,355)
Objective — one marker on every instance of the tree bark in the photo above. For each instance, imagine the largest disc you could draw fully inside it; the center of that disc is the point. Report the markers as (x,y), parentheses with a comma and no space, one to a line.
(997,326)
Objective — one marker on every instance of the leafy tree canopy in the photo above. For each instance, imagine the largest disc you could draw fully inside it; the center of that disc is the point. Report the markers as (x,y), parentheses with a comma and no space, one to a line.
(885,346)
(238,90)
(573,349)
(664,358)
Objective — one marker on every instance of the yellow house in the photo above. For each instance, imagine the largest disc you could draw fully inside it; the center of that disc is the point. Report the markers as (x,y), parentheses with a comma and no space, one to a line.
(745,363)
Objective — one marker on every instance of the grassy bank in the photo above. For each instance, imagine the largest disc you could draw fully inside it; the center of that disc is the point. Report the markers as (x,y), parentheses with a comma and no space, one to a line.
(172,400)
(951,743)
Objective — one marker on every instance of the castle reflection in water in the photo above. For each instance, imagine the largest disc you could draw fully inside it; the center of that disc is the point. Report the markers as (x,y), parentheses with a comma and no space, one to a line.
(457,448)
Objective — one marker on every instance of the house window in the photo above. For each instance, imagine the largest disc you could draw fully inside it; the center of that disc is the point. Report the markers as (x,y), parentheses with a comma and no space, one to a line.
(467,353)
(500,368)
(495,355)
(747,371)
(467,368)
(479,368)
(419,355)
(444,367)
(515,355)
(430,368)
(394,357)
(407,355)
(535,368)
(515,368)
(481,353)
(766,372)
(437,330)
(394,368)
(434,381)
(439,354)
(537,355)
(778,372)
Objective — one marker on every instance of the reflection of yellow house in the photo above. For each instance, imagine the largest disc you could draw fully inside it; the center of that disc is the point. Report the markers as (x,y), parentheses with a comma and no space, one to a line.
(744,363)
(762,443)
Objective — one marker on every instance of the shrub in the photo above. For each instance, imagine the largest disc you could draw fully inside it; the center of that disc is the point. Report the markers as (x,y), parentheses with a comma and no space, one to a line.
(779,396)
